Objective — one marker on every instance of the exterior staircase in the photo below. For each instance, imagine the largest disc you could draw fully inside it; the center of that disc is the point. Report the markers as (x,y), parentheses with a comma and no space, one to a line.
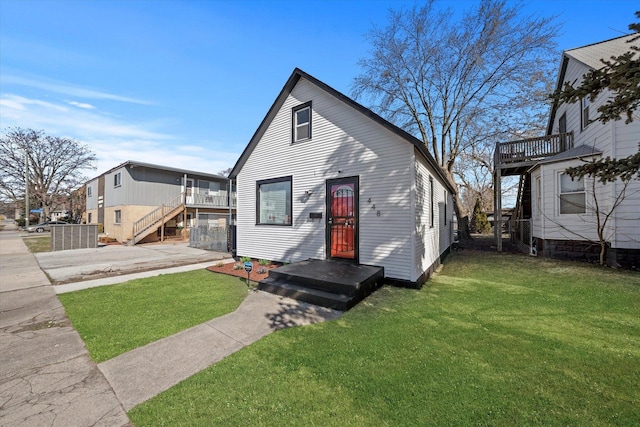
(150,223)
(334,284)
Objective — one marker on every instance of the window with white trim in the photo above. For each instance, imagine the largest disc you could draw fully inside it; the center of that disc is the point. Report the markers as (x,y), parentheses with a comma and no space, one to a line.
(538,209)
(117,179)
(273,201)
(584,112)
(572,195)
(301,128)
(117,217)
(88,191)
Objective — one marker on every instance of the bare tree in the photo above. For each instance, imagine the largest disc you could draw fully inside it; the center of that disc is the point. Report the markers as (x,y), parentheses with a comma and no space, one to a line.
(460,84)
(55,166)
(225,172)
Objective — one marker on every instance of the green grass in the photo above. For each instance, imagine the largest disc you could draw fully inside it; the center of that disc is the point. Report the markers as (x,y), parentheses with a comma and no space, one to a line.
(38,244)
(115,319)
(497,340)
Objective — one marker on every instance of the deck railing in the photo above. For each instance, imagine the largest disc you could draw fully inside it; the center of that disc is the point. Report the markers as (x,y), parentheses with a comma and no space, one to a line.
(532,149)
(213,201)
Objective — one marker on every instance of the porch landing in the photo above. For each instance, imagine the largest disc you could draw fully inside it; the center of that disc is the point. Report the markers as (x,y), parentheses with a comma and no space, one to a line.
(329,283)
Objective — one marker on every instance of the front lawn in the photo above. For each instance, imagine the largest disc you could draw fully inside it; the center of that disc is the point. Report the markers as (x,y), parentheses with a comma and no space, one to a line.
(115,319)
(492,340)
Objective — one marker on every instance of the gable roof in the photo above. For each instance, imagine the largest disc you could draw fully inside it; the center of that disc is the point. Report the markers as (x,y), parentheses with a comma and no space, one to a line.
(591,56)
(286,90)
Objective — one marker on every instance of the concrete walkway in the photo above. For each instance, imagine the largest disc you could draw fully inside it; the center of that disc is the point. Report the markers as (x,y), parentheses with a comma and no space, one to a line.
(146,371)
(46,375)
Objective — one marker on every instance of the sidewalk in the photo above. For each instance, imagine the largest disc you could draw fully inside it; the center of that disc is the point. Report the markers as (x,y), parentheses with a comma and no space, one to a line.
(47,377)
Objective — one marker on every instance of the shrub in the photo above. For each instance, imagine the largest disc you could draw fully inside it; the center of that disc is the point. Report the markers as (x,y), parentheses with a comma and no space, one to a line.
(245,259)
(264,262)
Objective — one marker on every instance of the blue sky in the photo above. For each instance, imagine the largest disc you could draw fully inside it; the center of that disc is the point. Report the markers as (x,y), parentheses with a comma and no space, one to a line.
(186,83)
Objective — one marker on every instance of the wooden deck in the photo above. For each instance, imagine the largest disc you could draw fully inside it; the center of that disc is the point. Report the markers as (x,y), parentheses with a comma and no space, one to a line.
(514,157)
(329,283)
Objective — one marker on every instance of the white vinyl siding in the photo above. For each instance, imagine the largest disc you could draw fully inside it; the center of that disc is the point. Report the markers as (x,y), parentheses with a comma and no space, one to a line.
(433,222)
(616,140)
(345,143)
(92,195)
(558,226)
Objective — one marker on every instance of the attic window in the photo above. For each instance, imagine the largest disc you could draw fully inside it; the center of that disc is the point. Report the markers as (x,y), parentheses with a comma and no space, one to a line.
(301,129)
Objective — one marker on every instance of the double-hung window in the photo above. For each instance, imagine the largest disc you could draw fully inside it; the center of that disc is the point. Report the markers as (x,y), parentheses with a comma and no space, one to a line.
(117,179)
(273,201)
(301,127)
(538,208)
(584,112)
(572,195)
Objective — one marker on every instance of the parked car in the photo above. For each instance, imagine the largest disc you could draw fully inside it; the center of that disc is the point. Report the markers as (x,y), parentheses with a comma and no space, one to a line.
(44,226)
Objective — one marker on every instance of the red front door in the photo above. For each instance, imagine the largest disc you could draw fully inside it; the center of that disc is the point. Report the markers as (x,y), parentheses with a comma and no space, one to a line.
(342,218)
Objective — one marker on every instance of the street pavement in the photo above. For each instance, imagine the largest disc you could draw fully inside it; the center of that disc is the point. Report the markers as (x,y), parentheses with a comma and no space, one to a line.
(46,375)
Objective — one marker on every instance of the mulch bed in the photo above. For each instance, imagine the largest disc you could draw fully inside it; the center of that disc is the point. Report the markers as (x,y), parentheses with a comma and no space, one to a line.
(228,268)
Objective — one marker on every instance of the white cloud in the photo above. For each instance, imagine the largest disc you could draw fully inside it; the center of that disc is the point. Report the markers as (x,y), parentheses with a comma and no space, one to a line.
(82,105)
(68,89)
(113,139)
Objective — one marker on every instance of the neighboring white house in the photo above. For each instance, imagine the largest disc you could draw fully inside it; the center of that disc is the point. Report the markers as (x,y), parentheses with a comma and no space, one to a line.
(563,210)
(324,177)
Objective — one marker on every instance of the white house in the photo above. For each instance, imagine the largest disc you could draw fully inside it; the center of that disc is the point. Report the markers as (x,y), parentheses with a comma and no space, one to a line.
(325,178)
(562,210)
